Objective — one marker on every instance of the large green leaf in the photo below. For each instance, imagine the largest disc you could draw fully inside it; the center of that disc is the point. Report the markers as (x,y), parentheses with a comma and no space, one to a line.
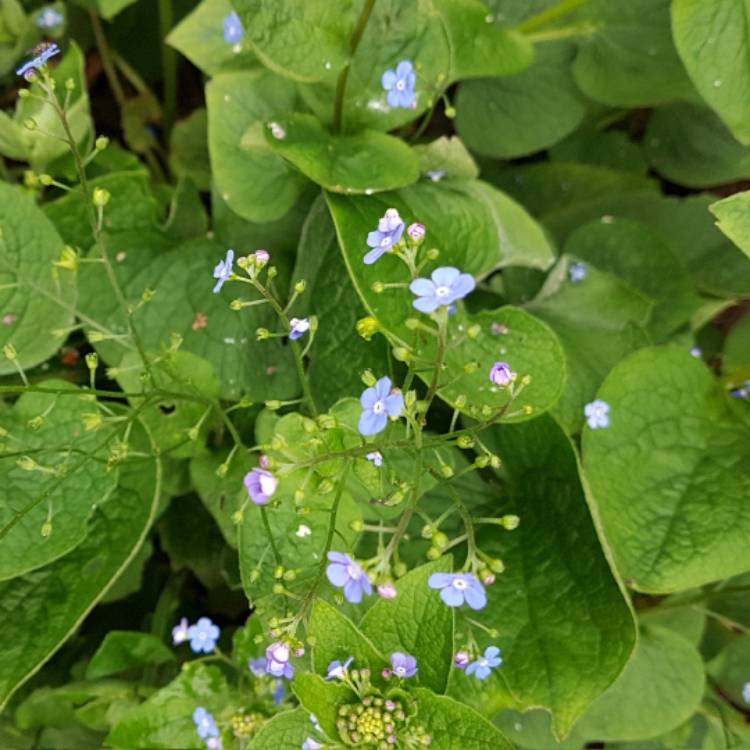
(657,691)
(36,298)
(188,149)
(712,39)
(456,726)
(733,218)
(124,649)
(367,162)
(42,609)
(200,37)
(590,144)
(670,476)
(730,668)
(255,182)
(416,622)
(526,112)
(628,59)
(566,630)
(62,487)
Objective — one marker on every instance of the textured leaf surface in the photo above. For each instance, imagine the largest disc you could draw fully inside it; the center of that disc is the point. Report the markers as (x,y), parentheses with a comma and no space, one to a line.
(322,699)
(418,623)
(286,731)
(670,475)
(35,297)
(733,218)
(566,630)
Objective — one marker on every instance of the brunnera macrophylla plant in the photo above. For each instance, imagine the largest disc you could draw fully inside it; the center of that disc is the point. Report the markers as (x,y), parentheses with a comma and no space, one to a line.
(312,438)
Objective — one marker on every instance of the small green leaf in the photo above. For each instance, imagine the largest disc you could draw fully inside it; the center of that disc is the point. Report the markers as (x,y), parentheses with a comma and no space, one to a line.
(449,157)
(368,162)
(418,623)
(670,475)
(455,726)
(711,37)
(322,699)
(123,649)
(730,668)
(36,298)
(188,149)
(255,182)
(733,215)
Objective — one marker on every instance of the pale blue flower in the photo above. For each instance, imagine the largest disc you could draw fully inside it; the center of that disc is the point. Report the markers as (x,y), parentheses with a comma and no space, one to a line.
(180,632)
(445,286)
(389,232)
(345,573)
(233,31)
(277,660)
(378,403)
(311,744)
(399,84)
(223,270)
(597,414)
(203,636)
(204,723)
(46,50)
(577,272)
(49,18)
(376,457)
(696,352)
(482,667)
(501,374)
(260,485)
(258,666)
(337,669)
(403,665)
(298,327)
(457,588)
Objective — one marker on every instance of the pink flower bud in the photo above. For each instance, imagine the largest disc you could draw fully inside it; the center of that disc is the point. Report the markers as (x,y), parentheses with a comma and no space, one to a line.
(387,590)
(416,231)
(461,659)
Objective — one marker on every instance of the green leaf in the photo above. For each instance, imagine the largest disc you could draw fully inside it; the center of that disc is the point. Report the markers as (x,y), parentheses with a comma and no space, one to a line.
(455,726)
(733,218)
(670,475)
(368,162)
(523,113)
(182,303)
(322,699)
(286,731)
(657,691)
(629,59)
(165,720)
(123,649)
(188,149)
(479,48)
(712,39)
(687,621)
(730,668)
(449,156)
(60,487)
(566,630)
(736,358)
(689,145)
(303,41)
(36,298)
(416,622)
(75,583)
(200,37)
(255,182)
(337,637)
(106,8)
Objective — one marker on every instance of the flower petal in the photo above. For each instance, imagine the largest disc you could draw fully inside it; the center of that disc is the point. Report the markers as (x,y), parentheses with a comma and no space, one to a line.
(403,69)
(422,287)
(445,276)
(452,596)
(353,592)
(394,404)
(476,597)
(371,423)
(383,388)
(373,255)
(393,98)
(462,286)
(337,574)
(426,304)
(388,80)
(440,580)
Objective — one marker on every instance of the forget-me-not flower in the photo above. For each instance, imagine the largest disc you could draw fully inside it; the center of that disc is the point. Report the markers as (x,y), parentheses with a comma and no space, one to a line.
(378,403)
(345,573)
(204,723)
(597,414)
(180,632)
(577,272)
(403,665)
(258,666)
(445,286)
(298,327)
(399,84)
(381,240)
(203,636)
(49,18)
(311,744)
(482,667)
(457,588)
(277,660)
(376,457)
(260,485)
(223,270)
(501,374)
(233,31)
(46,50)
(337,669)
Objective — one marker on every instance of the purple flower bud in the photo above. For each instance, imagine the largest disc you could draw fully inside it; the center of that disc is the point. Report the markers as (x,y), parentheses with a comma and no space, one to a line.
(263,461)
(416,231)
(461,659)
(501,374)
(387,590)
(300,651)
(260,485)
(261,257)
(376,457)
(489,579)
(387,673)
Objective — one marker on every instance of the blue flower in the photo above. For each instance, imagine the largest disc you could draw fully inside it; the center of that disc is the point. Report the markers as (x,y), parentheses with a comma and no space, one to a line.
(345,573)
(435,174)
(49,18)
(457,588)
(278,692)
(180,632)
(223,270)
(389,231)
(696,352)
(378,403)
(376,457)
(204,723)
(258,666)
(501,374)
(399,84)
(46,50)
(298,327)
(403,665)
(337,669)
(260,485)
(746,692)
(577,272)
(203,636)
(597,414)
(482,667)
(233,31)
(277,660)
(311,744)
(445,286)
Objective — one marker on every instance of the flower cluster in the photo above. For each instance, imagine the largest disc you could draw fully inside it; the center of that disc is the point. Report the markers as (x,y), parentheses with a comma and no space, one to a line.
(203,635)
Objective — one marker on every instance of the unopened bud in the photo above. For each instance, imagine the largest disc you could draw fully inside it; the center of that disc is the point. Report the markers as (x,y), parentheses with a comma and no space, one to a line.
(46,179)
(273,404)
(10,352)
(482,461)
(101,143)
(464,441)
(357,525)
(299,496)
(473,331)
(378,287)
(100,197)
(236,305)
(401,354)
(440,540)
(325,487)
(460,401)
(367,327)
(290,575)
(428,531)
(433,553)
(327,422)
(278,571)
(70,84)
(46,529)
(446,471)
(412,324)
(496,566)
(29,123)
(510,522)
(368,378)
(35,423)
(471,366)
(450,112)
(299,286)
(433,253)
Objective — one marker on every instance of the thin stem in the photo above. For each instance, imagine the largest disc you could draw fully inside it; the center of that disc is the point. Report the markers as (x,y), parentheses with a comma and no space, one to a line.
(359,30)
(169,66)
(105,55)
(563,8)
